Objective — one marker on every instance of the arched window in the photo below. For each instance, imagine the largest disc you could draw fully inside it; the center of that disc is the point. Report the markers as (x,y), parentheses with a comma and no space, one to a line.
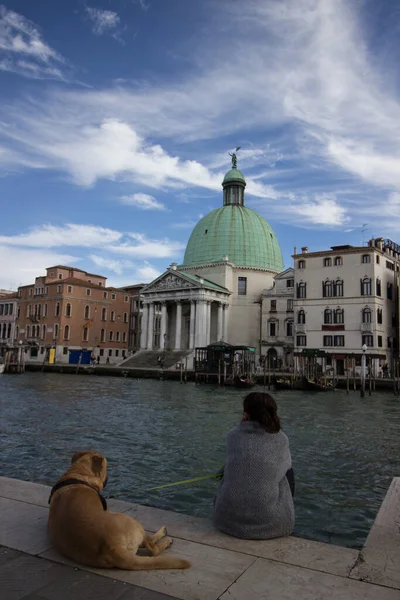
(327,289)
(66,332)
(44,330)
(56,331)
(328,317)
(57,309)
(338,261)
(125,317)
(301,317)
(87,311)
(366,315)
(103,335)
(27,331)
(45,309)
(327,262)
(112,315)
(117,336)
(85,335)
(289,328)
(111,338)
(301,290)
(366,286)
(124,336)
(338,316)
(378,287)
(16,332)
(338,291)
(68,310)
(103,314)
(28,312)
(301,264)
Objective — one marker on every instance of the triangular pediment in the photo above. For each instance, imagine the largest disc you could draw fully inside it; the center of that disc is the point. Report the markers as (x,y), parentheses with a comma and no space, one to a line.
(171,281)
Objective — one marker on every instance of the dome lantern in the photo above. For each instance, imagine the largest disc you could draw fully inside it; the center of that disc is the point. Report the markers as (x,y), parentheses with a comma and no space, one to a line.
(234,184)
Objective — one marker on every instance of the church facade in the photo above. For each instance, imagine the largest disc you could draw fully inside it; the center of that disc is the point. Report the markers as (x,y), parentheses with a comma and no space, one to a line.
(231,257)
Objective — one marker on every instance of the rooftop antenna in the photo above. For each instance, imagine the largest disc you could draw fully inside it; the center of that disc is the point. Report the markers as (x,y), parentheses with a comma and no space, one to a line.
(363,231)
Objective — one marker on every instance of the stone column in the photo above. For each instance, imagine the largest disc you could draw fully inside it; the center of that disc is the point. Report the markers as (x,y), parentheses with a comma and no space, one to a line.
(226,321)
(178,326)
(145,320)
(150,331)
(163,328)
(220,324)
(192,324)
(208,322)
(200,336)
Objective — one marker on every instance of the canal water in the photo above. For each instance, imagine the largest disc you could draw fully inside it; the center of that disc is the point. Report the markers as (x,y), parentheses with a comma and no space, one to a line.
(345,449)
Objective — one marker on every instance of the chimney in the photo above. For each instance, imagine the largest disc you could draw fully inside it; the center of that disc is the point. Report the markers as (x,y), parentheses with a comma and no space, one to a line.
(304,250)
(226,258)
(173,266)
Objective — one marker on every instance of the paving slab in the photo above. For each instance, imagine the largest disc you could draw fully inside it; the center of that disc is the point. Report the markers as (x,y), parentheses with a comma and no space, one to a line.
(23,526)
(379,560)
(270,580)
(24,491)
(296,551)
(213,571)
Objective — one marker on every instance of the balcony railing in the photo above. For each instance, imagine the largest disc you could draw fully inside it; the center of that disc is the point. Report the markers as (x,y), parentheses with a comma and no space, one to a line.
(366,327)
(301,328)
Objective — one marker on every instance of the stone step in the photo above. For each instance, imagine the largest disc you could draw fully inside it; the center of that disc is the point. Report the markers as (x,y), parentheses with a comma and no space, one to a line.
(148,359)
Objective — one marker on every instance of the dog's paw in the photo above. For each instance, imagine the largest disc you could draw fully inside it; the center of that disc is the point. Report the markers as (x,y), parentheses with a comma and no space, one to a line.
(164,531)
(169,541)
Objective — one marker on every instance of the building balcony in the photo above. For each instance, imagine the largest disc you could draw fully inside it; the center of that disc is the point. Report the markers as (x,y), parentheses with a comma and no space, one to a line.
(301,328)
(367,327)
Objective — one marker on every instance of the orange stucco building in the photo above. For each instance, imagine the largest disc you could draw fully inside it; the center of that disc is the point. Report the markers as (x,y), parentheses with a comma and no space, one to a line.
(77,314)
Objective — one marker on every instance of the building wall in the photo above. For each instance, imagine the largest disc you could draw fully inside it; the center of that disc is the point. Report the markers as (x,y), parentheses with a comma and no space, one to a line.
(352,270)
(67,313)
(8,314)
(277,321)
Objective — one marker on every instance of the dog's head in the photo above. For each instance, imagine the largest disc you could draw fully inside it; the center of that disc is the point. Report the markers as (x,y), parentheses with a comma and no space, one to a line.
(92,464)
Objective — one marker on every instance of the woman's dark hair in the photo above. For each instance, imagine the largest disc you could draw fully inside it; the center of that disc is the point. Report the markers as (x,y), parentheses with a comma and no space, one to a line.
(262,407)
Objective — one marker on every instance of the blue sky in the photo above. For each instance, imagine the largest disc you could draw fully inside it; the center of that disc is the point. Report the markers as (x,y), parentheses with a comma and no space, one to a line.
(117,117)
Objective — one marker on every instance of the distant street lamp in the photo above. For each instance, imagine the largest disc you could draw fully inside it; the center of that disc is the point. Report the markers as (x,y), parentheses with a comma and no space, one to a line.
(363,369)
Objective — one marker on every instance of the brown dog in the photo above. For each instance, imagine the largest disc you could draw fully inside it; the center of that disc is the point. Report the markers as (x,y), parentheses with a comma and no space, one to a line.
(83,530)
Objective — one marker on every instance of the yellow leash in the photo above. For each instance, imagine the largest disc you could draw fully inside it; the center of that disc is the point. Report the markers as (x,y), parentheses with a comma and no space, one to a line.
(159,487)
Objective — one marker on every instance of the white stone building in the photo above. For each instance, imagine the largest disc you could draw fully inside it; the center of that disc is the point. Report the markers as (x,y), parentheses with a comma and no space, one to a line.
(346,297)
(277,327)
(231,257)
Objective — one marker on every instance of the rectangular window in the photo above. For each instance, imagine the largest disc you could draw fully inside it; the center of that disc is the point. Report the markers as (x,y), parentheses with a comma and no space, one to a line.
(110,353)
(328,340)
(125,317)
(366,258)
(113,296)
(368,340)
(389,265)
(101,352)
(289,283)
(378,260)
(289,306)
(289,329)
(59,288)
(242,286)
(69,289)
(378,287)
(379,316)
(126,298)
(65,350)
(111,336)
(272,329)
(124,336)
(88,292)
(327,262)
(105,295)
(117,353)
(379,341)
(390,291)
(301,340)
(117,336)
(273,306)
(338,340)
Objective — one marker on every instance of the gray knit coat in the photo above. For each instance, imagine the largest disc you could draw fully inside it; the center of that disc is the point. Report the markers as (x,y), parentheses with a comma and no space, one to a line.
(254,499)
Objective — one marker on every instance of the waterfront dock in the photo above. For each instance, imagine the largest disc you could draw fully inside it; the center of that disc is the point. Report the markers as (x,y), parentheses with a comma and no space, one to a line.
(223,568)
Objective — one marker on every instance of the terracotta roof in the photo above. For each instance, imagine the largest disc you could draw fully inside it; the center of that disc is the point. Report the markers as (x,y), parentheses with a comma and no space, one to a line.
(75,269)
(9,296)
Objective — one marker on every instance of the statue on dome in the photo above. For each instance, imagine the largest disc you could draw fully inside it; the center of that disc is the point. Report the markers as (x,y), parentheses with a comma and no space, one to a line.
(234,158)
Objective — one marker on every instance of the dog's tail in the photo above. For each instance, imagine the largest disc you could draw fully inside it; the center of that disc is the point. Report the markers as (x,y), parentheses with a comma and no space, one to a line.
(133,562)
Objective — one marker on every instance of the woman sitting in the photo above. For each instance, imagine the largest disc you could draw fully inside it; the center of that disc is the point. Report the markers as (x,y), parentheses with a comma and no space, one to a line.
(255,499)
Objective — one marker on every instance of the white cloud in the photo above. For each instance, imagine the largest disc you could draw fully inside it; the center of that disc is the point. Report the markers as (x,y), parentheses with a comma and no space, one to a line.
(321,211)
(102,20)
(48,236)
(147,272)
(142,247)
(117,266)
(20,266)
(143,201)
(24,50)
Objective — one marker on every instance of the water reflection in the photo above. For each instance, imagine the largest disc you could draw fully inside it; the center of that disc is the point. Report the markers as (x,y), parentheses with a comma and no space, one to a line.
(345,449)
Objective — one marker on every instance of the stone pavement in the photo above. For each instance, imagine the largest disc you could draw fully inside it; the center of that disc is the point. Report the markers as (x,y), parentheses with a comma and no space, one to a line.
(223,568)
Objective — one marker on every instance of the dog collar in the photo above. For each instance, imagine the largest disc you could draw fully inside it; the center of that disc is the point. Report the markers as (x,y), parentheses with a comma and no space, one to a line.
(66,482)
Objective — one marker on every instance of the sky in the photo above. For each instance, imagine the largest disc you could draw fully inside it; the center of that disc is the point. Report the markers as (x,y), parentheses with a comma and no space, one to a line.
(117,118)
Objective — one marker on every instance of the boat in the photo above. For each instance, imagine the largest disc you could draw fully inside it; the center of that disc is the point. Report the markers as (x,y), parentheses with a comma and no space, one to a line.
(312,386)
(243,381)
(282,383)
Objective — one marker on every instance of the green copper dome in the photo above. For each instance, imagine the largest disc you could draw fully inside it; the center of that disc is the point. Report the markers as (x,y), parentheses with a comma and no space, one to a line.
(237,232)
(234,175)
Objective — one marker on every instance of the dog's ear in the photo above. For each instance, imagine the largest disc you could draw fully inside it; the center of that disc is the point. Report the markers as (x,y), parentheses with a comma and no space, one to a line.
(76,456)
(97,464)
